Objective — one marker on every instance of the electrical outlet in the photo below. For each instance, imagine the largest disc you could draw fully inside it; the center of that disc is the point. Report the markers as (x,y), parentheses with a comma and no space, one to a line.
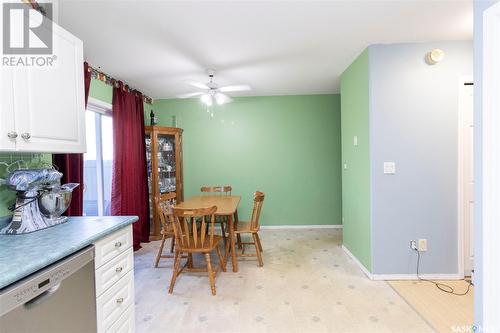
(413,245)
(422,245)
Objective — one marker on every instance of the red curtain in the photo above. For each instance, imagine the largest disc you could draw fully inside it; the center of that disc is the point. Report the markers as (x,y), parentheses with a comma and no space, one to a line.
(129,187)
(71,165)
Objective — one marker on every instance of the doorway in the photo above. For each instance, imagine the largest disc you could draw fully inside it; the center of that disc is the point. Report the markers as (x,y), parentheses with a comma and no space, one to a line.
(466,175)
(98,160)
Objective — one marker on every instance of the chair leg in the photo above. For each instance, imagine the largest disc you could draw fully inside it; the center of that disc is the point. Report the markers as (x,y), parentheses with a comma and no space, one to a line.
(238,238)
(258,241)
(221,261)
(259,255)
(160,250)
(175,271)
(210,273)
(172,244)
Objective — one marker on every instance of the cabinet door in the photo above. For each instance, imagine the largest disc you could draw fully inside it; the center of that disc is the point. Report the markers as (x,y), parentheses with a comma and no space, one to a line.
(7,123)
(51,114)
(166,163)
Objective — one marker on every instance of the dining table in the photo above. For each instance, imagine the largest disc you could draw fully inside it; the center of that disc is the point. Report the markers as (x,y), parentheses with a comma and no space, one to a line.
(227,205)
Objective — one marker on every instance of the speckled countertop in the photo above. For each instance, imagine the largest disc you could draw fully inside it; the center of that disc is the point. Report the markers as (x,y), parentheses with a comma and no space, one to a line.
(22,255)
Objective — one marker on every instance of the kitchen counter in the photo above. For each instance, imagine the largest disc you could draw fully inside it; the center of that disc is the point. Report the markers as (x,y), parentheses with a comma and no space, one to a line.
(22,255)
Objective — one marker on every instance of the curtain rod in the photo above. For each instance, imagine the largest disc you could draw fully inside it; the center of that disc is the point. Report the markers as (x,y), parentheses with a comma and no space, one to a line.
(109,80)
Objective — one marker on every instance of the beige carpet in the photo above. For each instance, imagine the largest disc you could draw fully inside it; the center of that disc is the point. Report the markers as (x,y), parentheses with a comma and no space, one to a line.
(307,284)
(445,312)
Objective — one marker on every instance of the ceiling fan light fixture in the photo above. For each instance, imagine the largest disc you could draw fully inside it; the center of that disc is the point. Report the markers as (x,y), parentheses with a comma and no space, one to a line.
(220,99)
(207,99)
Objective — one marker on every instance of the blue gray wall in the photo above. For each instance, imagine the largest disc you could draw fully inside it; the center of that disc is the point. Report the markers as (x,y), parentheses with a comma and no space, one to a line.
(413,122)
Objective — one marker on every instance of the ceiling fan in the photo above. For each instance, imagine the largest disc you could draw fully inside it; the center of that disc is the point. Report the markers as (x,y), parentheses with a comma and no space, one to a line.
(212,92)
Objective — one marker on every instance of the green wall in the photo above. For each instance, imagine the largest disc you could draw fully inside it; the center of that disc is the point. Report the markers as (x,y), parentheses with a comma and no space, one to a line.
(101,91)
(286,146)
(7,196)
(354,93)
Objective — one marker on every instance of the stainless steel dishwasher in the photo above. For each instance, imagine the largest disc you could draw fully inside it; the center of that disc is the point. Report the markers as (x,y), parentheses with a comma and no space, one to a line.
(59,298)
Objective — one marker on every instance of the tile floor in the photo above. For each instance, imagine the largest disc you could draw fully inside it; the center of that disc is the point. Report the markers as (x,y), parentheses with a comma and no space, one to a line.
(307,284)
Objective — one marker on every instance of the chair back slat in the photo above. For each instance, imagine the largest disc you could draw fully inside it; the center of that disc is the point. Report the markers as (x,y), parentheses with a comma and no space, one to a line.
(190,226)
(202,227)
(258,201)
(186,240)
(225,189)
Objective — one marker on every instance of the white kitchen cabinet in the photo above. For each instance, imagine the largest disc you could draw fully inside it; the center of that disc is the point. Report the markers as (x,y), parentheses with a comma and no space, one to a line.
(124,324)
(44,107)
(7,123)
(114,271)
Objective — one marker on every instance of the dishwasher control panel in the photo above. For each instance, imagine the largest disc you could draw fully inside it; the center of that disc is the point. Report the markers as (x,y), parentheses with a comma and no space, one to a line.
(41,284)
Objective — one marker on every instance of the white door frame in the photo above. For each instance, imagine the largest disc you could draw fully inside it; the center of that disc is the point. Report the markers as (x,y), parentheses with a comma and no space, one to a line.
(489,249)
(461,174)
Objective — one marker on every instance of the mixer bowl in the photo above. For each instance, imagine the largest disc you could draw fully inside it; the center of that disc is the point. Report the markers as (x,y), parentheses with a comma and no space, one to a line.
(53,204)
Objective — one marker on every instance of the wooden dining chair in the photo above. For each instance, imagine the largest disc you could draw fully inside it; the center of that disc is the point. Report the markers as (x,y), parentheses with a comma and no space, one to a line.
(164,209)
(222,190)
(251,228)
(219,190)
(193,237)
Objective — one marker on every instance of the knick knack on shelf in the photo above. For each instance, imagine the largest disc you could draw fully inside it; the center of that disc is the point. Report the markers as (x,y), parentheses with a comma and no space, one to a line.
(153,118)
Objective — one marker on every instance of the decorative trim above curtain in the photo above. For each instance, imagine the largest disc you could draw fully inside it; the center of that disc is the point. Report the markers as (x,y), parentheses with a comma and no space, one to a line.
(129,185)
(71,165)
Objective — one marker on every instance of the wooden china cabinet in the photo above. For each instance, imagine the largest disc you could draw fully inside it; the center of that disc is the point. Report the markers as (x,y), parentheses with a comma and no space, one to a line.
(164,160)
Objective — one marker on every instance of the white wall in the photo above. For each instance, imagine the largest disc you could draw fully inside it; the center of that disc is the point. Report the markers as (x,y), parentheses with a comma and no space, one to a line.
(479,8)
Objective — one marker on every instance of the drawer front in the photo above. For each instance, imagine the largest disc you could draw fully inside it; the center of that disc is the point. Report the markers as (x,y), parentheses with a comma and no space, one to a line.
(112,246)
(109,273)
(124,324)
(114,301)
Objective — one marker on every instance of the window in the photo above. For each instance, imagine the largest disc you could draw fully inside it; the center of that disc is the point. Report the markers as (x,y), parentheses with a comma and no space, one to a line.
(98,160)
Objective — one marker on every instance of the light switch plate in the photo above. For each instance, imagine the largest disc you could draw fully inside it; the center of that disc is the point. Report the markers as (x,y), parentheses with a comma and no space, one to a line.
(355,140)
(389,168)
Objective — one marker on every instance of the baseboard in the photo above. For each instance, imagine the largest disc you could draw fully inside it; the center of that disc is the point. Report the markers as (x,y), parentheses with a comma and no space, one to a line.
(361,266)
(395,277)
(315,226)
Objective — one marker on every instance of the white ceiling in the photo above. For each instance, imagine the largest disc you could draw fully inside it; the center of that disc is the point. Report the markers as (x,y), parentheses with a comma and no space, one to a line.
(277,47)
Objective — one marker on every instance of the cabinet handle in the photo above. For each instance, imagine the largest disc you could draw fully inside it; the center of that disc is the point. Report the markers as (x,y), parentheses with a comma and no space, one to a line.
(119,300)
(119,269)
(118,244)
(26,136)
(12,135)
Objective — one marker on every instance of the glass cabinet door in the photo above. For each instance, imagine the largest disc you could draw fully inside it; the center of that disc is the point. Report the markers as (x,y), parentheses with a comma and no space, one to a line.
(149,163)
(166,163)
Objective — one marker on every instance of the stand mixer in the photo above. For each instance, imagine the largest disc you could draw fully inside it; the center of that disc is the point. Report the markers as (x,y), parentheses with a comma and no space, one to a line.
(40,200)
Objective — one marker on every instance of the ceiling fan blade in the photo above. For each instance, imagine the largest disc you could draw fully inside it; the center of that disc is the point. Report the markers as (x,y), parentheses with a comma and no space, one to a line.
(236,87)
(189,95)
(221,98)
(198,85)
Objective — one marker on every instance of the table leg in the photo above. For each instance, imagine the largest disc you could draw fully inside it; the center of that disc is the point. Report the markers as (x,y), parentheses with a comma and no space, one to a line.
(232,242)
(238,236)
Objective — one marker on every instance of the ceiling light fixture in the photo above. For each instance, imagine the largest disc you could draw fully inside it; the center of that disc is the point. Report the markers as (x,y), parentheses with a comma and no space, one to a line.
(434,56)
(220,98)
(207,99)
